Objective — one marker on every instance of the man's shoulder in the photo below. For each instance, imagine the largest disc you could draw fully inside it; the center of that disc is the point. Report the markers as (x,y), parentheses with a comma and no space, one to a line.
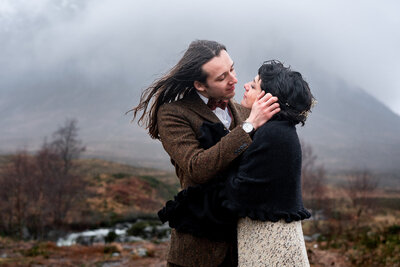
(171,106)
(183,103)
(174,107)
(240,107)
(181,109)
(245,112)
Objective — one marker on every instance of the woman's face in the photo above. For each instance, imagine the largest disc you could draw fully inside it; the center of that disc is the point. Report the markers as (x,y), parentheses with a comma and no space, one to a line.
(253,89)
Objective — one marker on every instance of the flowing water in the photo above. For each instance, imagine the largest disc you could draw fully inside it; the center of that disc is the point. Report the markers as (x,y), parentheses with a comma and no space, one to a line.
(121,232)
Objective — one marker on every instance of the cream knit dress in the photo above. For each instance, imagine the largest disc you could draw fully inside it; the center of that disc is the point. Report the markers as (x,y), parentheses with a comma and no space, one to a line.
(271,244)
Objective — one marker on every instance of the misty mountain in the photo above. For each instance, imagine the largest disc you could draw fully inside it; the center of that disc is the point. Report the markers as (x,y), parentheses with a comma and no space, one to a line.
(90,60)
(348,128)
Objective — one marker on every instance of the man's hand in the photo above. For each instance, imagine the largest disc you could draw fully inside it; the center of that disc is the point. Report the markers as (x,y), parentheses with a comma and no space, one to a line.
(263,109)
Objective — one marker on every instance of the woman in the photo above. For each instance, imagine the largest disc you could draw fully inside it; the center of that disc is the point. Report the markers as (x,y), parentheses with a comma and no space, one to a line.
(264,192)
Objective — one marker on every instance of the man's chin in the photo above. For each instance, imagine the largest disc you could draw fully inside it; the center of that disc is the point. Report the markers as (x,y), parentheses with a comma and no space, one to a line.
(230,96)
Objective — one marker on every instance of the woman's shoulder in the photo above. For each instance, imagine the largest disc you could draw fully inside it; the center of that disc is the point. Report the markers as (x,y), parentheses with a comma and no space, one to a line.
(275,129)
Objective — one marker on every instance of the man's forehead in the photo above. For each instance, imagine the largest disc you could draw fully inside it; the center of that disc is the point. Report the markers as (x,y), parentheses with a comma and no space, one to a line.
(219,64)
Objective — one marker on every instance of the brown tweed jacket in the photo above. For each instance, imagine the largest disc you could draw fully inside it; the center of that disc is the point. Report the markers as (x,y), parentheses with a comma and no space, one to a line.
(179,127)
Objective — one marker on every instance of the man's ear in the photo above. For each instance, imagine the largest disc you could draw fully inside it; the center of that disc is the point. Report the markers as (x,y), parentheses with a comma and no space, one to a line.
(199,86)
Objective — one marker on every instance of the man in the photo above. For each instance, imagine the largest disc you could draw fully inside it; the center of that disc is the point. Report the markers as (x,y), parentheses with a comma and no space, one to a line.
(199,89)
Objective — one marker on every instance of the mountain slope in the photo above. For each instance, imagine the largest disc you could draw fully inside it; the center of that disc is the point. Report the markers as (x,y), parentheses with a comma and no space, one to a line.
(348,128)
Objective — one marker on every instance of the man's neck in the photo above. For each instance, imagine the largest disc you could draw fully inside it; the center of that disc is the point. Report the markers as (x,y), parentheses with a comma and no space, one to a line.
(206,98)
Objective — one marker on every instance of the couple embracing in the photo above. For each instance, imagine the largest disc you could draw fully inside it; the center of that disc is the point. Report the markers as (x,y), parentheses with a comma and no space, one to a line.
(239,165)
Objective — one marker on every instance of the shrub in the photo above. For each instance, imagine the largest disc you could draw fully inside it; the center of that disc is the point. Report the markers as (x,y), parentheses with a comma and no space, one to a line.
(138,229)
(110,249)
(120,175)
(110,237)
(36,250)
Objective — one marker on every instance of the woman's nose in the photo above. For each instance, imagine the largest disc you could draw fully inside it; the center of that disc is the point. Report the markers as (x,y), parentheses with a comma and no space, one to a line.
(246,87)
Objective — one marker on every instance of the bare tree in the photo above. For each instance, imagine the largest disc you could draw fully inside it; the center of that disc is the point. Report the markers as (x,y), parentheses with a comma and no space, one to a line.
(313,183)
(66,144)
(50,173)
(66,185)
(15,181)
(313,175)
(38,191)
(359,186)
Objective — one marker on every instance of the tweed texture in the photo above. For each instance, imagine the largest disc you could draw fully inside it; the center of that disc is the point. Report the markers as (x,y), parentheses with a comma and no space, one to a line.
(179,127)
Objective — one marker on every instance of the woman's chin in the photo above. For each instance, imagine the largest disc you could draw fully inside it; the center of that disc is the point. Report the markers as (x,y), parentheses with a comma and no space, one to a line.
(244,103)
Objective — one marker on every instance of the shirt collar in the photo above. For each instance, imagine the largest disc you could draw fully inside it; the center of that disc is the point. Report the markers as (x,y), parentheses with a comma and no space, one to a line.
(205,99)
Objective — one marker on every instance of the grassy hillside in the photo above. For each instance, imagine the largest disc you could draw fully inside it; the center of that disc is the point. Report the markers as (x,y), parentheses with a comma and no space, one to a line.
(124,192)
(116,192)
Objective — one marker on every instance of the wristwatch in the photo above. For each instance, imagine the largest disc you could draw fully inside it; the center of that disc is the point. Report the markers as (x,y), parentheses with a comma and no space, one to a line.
(248,127)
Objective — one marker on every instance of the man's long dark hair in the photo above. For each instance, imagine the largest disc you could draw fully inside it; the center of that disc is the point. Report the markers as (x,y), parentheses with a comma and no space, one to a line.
(177,83)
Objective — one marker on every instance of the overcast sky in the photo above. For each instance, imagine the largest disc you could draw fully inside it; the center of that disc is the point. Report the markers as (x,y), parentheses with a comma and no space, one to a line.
(137,40)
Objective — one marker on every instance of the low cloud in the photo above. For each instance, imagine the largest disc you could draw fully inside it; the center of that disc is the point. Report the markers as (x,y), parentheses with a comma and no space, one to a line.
(135,41)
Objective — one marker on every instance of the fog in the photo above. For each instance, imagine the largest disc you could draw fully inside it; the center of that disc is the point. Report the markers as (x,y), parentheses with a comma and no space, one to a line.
(90,60)
(135,41)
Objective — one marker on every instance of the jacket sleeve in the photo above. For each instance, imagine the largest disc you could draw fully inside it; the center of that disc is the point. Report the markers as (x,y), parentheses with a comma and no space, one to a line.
(180,142)
(256,161)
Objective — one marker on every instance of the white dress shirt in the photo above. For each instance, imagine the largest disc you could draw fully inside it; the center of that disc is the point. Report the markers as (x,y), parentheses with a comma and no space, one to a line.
(222,114)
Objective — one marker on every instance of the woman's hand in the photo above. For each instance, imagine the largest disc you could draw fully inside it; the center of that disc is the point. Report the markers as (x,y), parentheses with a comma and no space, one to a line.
(263,109)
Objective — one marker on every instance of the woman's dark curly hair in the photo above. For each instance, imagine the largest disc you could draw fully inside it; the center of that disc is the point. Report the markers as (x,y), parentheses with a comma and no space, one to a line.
(295,98)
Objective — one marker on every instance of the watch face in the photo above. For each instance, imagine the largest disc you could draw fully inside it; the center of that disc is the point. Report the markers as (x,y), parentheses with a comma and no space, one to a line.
(247,127)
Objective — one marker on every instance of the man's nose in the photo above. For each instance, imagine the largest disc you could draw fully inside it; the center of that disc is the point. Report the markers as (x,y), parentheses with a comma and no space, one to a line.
(233,79)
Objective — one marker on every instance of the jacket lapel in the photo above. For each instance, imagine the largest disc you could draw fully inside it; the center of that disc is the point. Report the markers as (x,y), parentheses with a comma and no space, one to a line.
(237,116)
(194,103)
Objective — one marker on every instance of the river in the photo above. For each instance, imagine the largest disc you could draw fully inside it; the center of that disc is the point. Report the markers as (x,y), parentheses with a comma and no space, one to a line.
(120,232)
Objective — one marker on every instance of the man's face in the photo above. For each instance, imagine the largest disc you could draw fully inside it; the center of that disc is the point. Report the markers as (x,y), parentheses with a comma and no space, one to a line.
(221,78)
